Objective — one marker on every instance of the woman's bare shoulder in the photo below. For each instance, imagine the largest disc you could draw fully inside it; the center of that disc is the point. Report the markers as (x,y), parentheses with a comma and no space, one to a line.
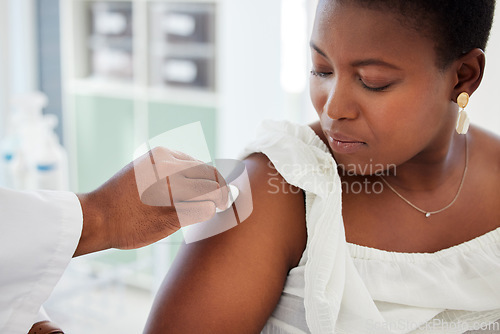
(486,146)
(278,207)
(282,205)
(231,282)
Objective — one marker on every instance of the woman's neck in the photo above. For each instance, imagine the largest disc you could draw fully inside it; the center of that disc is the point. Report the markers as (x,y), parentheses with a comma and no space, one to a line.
(442,162)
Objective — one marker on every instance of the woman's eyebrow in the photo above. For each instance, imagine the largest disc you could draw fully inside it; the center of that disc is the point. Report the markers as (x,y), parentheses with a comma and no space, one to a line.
(359,63)
(317,49)
(375,62)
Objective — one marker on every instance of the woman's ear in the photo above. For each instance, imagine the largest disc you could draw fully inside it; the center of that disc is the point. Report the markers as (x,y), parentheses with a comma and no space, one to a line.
(469,73)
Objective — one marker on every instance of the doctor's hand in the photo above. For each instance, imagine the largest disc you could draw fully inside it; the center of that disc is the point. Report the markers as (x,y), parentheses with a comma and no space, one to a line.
(149,199)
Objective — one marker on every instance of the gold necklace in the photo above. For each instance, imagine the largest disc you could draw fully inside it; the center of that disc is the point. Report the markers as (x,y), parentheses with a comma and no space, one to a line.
(429,213)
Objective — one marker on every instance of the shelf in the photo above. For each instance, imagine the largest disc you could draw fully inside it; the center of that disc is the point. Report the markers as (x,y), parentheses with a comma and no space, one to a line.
(120,89)
(103,87)
(199,98)
(153,1)
(124,61)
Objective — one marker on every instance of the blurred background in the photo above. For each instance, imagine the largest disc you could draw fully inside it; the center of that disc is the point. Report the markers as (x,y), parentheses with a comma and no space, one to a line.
(83,83)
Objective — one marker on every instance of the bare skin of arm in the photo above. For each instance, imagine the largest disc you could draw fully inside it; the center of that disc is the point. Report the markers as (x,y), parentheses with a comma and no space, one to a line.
(231,282)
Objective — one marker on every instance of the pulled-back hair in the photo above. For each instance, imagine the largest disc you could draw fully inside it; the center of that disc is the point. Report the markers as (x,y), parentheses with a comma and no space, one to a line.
(456,26)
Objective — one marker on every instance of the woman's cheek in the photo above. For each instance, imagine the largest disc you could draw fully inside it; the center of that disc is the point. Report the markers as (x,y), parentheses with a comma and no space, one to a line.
(316,100)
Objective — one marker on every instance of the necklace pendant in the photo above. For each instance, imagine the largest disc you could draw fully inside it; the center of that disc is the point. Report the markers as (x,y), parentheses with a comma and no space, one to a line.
(427,215)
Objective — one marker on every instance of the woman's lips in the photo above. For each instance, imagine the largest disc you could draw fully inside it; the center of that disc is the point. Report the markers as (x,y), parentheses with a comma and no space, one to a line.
(344,144)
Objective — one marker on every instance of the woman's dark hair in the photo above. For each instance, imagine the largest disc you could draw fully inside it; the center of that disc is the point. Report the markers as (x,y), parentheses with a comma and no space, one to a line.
(456,26)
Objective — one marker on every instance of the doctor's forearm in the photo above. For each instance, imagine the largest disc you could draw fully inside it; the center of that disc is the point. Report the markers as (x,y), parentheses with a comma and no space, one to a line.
(93,237)
(114,215)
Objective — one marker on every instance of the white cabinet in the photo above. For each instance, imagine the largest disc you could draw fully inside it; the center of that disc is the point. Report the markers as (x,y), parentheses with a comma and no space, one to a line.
(132,70)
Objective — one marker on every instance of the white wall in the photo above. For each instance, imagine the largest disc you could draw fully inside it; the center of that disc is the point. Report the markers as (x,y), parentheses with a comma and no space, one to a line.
(17,53)
(23,46)
(249,67)
(4,61)
(484,107)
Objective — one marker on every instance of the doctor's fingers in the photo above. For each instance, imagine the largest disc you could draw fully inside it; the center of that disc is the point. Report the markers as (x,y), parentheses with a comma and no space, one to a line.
(155,165)
(163,155)
(182,156)
(191,170)
(210,173)
(186,189)
(170,162)
(190,213)
(160,163)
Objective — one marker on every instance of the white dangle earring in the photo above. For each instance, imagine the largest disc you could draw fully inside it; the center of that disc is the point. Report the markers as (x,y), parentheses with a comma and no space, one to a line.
(463,120)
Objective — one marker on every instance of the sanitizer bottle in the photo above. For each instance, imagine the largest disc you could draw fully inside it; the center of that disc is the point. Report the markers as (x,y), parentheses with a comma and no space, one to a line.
(49,163)
(30,154)
(11,159)
(8,148)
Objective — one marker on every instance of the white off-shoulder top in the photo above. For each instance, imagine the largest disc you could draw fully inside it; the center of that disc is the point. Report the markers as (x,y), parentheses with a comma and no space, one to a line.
(339,287)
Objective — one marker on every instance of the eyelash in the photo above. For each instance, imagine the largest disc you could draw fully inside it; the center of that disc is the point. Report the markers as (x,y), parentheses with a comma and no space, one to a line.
(372,89)
(320,74)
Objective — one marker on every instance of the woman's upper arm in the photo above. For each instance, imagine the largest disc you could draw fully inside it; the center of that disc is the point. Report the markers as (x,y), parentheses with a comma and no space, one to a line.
(231,282)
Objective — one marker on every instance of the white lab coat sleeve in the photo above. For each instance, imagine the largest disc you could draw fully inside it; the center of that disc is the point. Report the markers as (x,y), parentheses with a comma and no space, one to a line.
(39,232)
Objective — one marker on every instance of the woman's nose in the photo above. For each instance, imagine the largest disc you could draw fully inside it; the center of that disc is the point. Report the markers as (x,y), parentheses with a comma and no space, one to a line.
(340,103)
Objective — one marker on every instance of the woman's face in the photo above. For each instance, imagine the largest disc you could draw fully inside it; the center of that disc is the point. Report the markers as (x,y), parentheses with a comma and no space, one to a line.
(380,97)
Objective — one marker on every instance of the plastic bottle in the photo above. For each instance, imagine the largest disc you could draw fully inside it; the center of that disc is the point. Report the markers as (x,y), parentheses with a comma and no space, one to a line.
(10,158)
(30,154)
(27,121)
(49,163)
(7,152)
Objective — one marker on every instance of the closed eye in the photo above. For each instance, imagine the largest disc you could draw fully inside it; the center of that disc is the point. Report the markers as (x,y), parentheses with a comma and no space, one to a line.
(374,89)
